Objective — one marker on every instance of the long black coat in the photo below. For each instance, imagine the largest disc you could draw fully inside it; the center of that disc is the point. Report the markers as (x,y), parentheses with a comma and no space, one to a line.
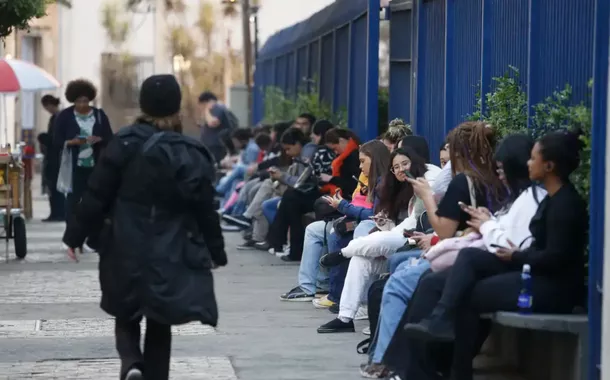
(156,256)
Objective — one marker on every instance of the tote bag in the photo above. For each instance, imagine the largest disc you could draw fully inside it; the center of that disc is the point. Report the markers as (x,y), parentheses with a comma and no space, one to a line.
(64,179)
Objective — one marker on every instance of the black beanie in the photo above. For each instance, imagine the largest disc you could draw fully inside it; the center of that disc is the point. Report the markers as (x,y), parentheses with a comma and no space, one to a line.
(160,96)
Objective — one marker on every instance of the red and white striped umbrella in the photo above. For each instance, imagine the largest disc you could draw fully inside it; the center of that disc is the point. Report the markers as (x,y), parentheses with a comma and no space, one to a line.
(17,75)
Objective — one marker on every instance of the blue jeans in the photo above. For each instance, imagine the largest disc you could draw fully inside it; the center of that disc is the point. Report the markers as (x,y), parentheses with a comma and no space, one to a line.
(338,273)
(398,258)
(396,295)
(270,208)
(310,275)
(227,184)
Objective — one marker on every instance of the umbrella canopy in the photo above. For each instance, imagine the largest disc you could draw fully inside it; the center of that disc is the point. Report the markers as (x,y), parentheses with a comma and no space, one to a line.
(17,75)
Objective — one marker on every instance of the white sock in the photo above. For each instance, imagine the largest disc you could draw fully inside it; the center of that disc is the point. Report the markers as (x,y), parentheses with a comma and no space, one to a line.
(344,319)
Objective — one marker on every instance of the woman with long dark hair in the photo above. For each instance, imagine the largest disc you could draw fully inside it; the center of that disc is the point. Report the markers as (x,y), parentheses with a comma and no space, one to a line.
(152,193)
(374,161)
(397,202)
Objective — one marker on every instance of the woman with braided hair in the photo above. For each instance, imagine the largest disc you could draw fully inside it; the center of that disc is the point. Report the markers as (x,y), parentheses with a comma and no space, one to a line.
(474,183)
(397,130)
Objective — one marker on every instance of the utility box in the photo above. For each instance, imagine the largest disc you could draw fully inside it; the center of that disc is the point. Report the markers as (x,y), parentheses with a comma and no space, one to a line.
(237,101)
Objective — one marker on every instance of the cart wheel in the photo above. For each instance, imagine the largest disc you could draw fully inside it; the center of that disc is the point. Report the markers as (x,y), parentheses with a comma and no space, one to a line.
(19,235)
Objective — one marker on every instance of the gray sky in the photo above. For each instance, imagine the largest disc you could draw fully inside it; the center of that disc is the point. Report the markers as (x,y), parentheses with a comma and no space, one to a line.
(278,14)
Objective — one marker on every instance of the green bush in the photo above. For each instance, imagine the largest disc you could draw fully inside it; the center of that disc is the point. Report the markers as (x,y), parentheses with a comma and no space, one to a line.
(280,107)
(506,110)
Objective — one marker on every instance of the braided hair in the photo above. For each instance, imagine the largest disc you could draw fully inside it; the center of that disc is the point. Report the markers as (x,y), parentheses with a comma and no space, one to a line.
(471,150)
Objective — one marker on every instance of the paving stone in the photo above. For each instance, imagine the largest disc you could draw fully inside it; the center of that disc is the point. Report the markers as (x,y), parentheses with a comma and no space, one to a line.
(57,256)
(203,368)
(25,287)
(82,328)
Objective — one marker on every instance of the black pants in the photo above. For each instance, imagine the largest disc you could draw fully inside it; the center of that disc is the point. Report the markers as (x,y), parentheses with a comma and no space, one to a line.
(155,361)
(293,206)
(80,178)
(57,201)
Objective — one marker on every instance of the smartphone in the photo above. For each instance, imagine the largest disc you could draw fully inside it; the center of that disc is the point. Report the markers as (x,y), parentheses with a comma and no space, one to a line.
(407,233)
(359,181)
(409,175)
(463,206)
(82,137)
(497,246)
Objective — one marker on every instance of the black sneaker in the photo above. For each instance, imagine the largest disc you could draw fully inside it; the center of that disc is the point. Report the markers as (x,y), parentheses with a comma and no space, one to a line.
(297,295)
(431,329)
(334,308)
(246,245)
(332,259)
(237,220)
(289,259)
(134,374)
(336,326)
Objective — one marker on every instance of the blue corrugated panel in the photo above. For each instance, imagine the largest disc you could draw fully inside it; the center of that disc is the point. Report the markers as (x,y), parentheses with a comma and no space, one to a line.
(431,72)
(400,33)
(314,62)
(258,99)
(357,79)
(327,70)
(280,72)
(268,73)
(507,31)
(400,65)
(463,60)
(291,75)
(302,66)
(342,68)
(561,47)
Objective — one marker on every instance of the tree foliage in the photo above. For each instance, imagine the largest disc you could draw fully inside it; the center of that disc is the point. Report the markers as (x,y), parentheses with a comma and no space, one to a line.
(16,14)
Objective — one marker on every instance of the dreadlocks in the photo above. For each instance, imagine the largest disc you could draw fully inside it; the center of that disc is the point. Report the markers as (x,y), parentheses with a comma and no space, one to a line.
(471,149)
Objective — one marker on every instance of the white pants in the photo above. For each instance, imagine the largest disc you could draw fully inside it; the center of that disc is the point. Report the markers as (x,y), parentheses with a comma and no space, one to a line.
(377,244)
(360,275)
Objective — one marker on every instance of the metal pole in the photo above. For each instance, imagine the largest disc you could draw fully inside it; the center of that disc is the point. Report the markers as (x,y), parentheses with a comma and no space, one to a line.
(256,42)
(247,46)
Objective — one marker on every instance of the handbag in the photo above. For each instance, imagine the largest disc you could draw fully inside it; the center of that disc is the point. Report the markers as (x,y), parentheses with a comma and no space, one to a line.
(344,225)
(64,178)
(324,211)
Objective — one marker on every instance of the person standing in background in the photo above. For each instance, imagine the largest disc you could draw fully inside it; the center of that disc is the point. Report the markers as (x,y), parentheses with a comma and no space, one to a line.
(85,130)
(50,163)
(216,119)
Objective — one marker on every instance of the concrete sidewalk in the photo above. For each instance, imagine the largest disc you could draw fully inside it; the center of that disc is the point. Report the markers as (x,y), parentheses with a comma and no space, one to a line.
(52,328)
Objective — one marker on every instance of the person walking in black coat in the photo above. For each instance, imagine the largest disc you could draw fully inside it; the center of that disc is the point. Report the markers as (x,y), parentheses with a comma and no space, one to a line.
(152,195)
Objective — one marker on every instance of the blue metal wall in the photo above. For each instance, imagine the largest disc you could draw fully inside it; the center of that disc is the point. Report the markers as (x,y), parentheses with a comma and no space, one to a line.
(460,45)
(331,49)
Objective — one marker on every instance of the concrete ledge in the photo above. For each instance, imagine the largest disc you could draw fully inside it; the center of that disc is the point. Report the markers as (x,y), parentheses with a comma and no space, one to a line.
(570,323)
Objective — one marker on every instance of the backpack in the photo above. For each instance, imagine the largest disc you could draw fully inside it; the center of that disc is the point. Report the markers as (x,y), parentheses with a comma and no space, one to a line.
(165,165)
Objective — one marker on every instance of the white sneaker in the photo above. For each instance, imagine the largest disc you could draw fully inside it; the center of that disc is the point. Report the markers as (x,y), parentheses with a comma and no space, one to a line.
(362,314)
(134,374)
(367,330)
(87,249)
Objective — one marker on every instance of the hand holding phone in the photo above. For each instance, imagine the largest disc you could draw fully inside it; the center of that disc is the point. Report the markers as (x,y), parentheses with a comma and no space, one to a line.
(463,206)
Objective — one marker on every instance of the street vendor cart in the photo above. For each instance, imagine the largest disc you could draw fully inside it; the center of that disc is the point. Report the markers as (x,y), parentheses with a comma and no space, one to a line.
(11,202)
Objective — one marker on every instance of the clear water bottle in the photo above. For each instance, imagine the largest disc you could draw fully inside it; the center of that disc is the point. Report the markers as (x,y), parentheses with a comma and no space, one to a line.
(525,301)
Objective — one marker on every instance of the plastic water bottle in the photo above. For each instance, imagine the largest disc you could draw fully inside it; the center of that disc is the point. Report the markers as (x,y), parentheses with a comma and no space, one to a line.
(525,301)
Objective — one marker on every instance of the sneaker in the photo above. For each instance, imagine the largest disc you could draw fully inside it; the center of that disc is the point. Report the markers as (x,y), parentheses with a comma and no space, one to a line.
(367,330)
(434,328)
(87,249)
(297,295)
(332,259)
(321,293)
(229,228)
(289,259)
(334,308)
(237,220)
(246,245)
(336,326)
(262,246)
(322,303)
(134,374)
(362,314)
(374,371)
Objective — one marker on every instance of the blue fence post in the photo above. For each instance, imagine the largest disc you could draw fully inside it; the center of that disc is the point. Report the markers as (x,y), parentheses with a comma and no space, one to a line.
(486,44)
(598,180)
(319,69)
(335,97)
(372,71)
(532,61)
(449,71)
(350,68)
(420,72)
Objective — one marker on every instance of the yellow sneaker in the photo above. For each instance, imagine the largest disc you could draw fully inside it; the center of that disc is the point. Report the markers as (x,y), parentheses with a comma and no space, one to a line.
(322,303)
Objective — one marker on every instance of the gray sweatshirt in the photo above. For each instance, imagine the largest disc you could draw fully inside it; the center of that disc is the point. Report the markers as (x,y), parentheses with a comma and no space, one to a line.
(295,170)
